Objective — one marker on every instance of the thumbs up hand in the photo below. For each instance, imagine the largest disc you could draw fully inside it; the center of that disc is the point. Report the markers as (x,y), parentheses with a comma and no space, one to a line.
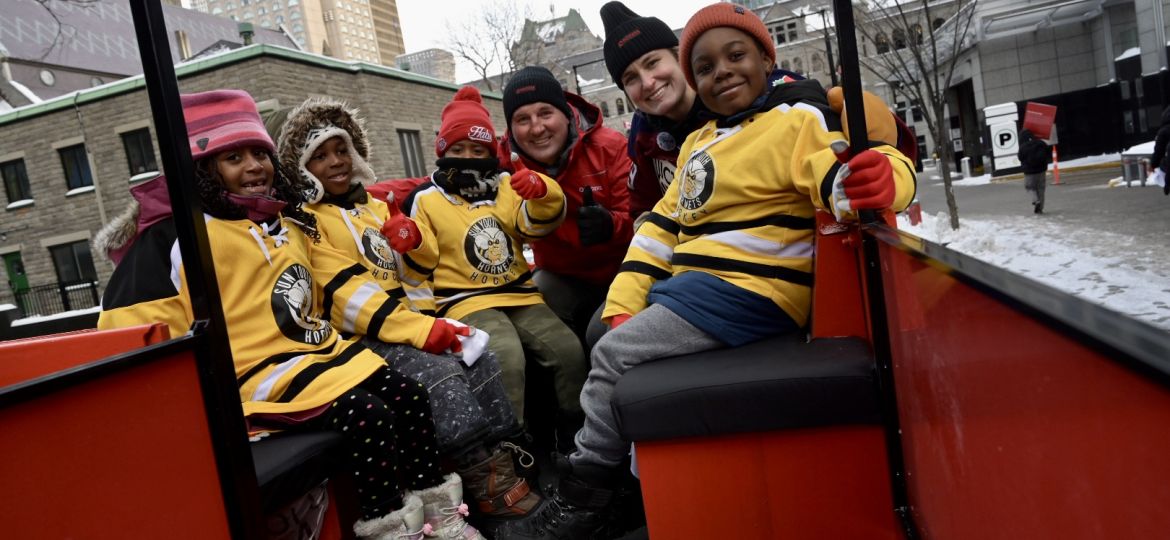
(594,222)
(526,183)
(401,231)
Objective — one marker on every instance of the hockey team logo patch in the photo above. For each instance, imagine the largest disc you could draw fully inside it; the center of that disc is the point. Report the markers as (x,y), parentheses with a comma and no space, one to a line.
(378,249)
(479,133)
(697,181)
(488,247)
(292,306)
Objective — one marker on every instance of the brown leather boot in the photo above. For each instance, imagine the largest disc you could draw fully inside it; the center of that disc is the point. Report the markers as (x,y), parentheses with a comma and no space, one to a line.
(494,486)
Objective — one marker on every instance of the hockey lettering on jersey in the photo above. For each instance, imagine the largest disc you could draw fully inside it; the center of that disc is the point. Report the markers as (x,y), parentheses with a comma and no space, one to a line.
(664,170)
(696,185)
(489,250)
(292,306)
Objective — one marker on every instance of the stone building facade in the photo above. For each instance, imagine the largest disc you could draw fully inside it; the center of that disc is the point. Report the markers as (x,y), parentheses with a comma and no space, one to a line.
(51,219)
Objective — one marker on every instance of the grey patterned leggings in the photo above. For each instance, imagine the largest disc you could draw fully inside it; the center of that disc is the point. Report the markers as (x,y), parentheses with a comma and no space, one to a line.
(469,404)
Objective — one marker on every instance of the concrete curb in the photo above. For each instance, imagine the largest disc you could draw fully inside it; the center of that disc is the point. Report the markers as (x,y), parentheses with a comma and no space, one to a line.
(1020,176)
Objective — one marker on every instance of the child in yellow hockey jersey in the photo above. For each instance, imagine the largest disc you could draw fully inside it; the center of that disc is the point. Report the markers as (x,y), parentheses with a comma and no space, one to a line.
(725,257)
(295,371)
(480,218)
(325,143)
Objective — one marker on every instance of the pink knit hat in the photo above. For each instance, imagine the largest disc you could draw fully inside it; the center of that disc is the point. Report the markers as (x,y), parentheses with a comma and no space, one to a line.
(222,120)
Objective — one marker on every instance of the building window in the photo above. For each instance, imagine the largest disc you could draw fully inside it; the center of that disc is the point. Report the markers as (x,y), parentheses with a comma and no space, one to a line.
(935,24)
(785,65)
(882,43)
(899,38)
(792,31)
(73,262)
(411,152)
(139,151)
(818,65)
(605,109)
(621,106)
(15,181)
(798,65)
(916,30)
(76,166)
(778,35)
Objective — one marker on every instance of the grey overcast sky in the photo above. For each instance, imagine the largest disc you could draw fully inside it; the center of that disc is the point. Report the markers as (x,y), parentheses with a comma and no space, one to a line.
(423,20)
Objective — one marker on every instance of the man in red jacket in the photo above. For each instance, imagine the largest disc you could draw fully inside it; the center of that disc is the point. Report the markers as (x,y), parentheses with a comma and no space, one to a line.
(561,135)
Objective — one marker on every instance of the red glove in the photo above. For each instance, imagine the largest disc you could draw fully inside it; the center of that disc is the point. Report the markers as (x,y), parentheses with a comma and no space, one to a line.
(444,337)
(866,182)
(401,231)
(618,320)
(526,183)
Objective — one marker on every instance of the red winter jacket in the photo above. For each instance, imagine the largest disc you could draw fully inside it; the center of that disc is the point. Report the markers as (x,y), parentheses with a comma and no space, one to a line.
(597,159)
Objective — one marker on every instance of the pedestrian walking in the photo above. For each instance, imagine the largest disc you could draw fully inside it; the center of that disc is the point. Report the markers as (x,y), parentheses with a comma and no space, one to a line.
(1034,159)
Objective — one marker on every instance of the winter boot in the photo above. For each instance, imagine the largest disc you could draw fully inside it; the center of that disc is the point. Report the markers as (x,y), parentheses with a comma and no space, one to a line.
(443,511)
(499,494)
(406,523)
(578,509)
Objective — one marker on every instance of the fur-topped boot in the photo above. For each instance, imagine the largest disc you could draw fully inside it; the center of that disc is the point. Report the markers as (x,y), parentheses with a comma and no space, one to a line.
(406,523)
(444,510)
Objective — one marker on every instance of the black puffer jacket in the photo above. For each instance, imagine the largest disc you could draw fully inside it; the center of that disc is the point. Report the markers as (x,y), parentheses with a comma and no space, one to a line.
(1034,155)
(1162,141)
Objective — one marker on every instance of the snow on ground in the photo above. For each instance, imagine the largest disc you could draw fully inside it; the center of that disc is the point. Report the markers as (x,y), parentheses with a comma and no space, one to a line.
(986,178)
(1048,253)
(32,319)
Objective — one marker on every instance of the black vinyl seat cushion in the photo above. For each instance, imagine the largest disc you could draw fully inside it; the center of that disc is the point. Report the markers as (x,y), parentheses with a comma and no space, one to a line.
(290,464)
(772,384)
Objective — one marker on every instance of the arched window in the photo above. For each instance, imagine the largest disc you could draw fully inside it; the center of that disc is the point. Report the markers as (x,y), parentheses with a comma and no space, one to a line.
(605,109)
(899,38)
(818,65)
(785,65)
(916,30)
(621,106)
(882,43)
(937,23)
(798,65)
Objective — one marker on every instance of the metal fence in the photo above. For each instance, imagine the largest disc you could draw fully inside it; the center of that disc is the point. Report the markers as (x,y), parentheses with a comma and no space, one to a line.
(46,300)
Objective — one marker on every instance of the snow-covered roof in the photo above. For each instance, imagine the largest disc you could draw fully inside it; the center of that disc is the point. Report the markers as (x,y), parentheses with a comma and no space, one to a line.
(1129,53)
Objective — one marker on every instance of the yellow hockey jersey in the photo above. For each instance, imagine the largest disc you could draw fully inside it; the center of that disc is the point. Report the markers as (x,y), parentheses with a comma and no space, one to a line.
(741,208)
(481,259)
(356,230)
(275,284)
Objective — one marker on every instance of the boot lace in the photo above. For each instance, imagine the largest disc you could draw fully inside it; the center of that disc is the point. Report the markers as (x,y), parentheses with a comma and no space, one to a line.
(454,517)
(425,531)
(523,454)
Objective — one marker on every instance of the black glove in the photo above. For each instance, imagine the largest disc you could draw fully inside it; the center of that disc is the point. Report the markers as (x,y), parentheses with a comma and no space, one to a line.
(594,222)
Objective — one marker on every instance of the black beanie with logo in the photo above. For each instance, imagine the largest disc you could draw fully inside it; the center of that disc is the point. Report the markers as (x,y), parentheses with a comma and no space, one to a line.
(534,84)
(628,36)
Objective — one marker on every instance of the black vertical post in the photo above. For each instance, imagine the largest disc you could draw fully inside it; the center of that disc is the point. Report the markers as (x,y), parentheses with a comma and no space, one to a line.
(875,294)
(213,355)
(828,48)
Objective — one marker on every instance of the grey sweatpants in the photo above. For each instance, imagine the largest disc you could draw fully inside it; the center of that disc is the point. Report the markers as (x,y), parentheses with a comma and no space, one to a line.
(1035,184)
(656,332)
(469,404)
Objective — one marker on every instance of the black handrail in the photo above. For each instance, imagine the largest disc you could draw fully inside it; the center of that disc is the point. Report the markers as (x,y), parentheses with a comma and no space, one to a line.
(212,351)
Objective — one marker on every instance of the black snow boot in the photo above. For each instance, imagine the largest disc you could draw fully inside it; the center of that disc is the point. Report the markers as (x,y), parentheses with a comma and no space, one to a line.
(577,509)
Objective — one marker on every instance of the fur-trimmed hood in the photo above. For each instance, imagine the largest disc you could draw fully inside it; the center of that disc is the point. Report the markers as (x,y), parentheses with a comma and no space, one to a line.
(312,123)
(151,203)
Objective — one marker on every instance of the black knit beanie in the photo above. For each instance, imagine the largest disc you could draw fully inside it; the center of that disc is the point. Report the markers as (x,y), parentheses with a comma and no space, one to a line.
(629,36)
(533,84)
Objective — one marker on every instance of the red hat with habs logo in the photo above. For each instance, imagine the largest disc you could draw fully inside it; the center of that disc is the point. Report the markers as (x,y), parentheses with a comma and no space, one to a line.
(465,119)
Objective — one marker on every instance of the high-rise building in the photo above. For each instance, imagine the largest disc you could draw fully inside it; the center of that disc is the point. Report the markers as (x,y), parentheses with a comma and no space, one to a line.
(389,30)
(437,63)
(342,29)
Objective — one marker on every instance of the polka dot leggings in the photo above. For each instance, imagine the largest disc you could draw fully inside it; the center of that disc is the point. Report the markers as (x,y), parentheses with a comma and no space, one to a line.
(389,436)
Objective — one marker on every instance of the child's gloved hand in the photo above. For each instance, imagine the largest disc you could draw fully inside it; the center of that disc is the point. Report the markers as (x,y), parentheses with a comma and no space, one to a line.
(444,337)
(864,182)
(594,222)
(526,183)
(401,231)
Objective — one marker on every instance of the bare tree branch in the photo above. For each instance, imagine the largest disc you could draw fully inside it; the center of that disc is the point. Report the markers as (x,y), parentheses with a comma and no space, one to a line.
(485,40)
(921,70)
(64,31)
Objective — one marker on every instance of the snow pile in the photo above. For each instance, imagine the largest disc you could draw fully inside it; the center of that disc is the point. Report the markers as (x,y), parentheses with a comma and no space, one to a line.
(1046,251)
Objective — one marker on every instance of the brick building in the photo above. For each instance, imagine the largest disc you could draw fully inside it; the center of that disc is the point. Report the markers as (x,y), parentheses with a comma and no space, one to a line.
(67,163)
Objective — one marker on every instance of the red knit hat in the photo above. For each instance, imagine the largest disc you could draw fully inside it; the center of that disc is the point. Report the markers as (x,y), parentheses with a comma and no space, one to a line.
(465,119)
(221,120)
(722,14)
